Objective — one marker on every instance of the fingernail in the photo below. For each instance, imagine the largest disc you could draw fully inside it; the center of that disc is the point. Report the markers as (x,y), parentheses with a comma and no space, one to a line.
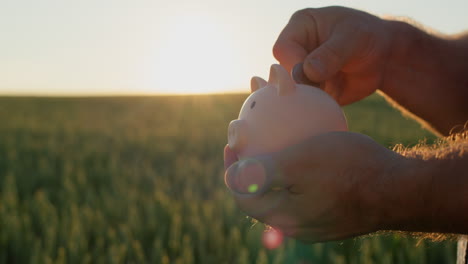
(248,176)
(318,66)
(230,177)
(300,77)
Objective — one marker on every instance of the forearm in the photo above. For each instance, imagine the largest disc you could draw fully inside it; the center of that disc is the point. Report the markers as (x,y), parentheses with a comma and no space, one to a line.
(430,190)
(449,195)
(427,75)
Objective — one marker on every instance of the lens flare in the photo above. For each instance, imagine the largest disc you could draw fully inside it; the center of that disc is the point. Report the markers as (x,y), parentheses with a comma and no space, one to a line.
(253,188)
(252,176)
(272,238)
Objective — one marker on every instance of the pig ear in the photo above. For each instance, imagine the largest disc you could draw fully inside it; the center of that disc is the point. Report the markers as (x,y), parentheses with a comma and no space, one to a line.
(257,83)
(281,79)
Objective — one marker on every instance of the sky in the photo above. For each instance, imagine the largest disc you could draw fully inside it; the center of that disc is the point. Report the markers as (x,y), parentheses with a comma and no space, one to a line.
(135,47)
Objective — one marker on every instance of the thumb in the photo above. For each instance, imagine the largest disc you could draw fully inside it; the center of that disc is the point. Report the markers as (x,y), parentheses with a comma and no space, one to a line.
(329,58)
(253,176)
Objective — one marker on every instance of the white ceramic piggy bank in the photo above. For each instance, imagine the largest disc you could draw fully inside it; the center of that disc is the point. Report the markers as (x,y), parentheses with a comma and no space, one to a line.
(280,113)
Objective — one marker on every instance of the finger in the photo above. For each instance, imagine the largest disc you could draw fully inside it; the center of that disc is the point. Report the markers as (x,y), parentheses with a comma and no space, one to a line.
(247,176)
(284,169)
(258,175)
(229,157)
(247,179)
(312,153)
(289,53)
(275,208)
(330,57)
(334,87)
(265,207)
(318,151)
(296,40)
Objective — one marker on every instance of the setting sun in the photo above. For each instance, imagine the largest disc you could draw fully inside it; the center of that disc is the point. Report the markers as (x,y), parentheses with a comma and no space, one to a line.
(195,55)
(152,47)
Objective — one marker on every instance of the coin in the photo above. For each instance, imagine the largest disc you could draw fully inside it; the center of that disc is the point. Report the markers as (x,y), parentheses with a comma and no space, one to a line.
(300,77)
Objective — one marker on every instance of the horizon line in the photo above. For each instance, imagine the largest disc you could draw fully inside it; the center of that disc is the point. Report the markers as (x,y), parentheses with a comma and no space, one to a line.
(97,95)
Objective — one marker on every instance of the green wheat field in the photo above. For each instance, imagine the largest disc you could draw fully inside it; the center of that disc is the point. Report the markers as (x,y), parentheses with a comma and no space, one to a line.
(140,180)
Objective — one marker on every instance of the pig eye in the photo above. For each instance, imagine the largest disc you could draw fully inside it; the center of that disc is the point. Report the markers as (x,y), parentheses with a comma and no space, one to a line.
(252,105)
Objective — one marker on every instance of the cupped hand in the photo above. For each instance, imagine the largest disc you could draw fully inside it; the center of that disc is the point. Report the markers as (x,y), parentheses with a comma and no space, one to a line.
(345,50)
(328,188)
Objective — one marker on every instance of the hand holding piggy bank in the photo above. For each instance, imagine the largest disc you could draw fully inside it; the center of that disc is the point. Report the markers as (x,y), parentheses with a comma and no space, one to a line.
(280,113)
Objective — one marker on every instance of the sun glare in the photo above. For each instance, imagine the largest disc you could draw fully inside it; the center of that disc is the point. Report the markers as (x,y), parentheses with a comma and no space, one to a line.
(195,55)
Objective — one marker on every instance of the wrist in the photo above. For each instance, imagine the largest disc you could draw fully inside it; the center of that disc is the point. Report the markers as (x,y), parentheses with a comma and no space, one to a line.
(413,54)
(393,195)
(426,193)
(427,75)
(405,195)
(448,191)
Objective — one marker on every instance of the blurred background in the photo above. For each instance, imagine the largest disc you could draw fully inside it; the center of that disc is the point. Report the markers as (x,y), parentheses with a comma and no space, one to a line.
(96,166)
(145,47)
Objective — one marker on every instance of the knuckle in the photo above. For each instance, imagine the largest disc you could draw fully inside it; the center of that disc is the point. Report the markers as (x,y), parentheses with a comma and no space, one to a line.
(303,14)
(336,9)
(278,51)
(331,54)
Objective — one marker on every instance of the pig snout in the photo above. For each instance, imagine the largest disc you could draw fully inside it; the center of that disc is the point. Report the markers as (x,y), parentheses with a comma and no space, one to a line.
(237,135)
